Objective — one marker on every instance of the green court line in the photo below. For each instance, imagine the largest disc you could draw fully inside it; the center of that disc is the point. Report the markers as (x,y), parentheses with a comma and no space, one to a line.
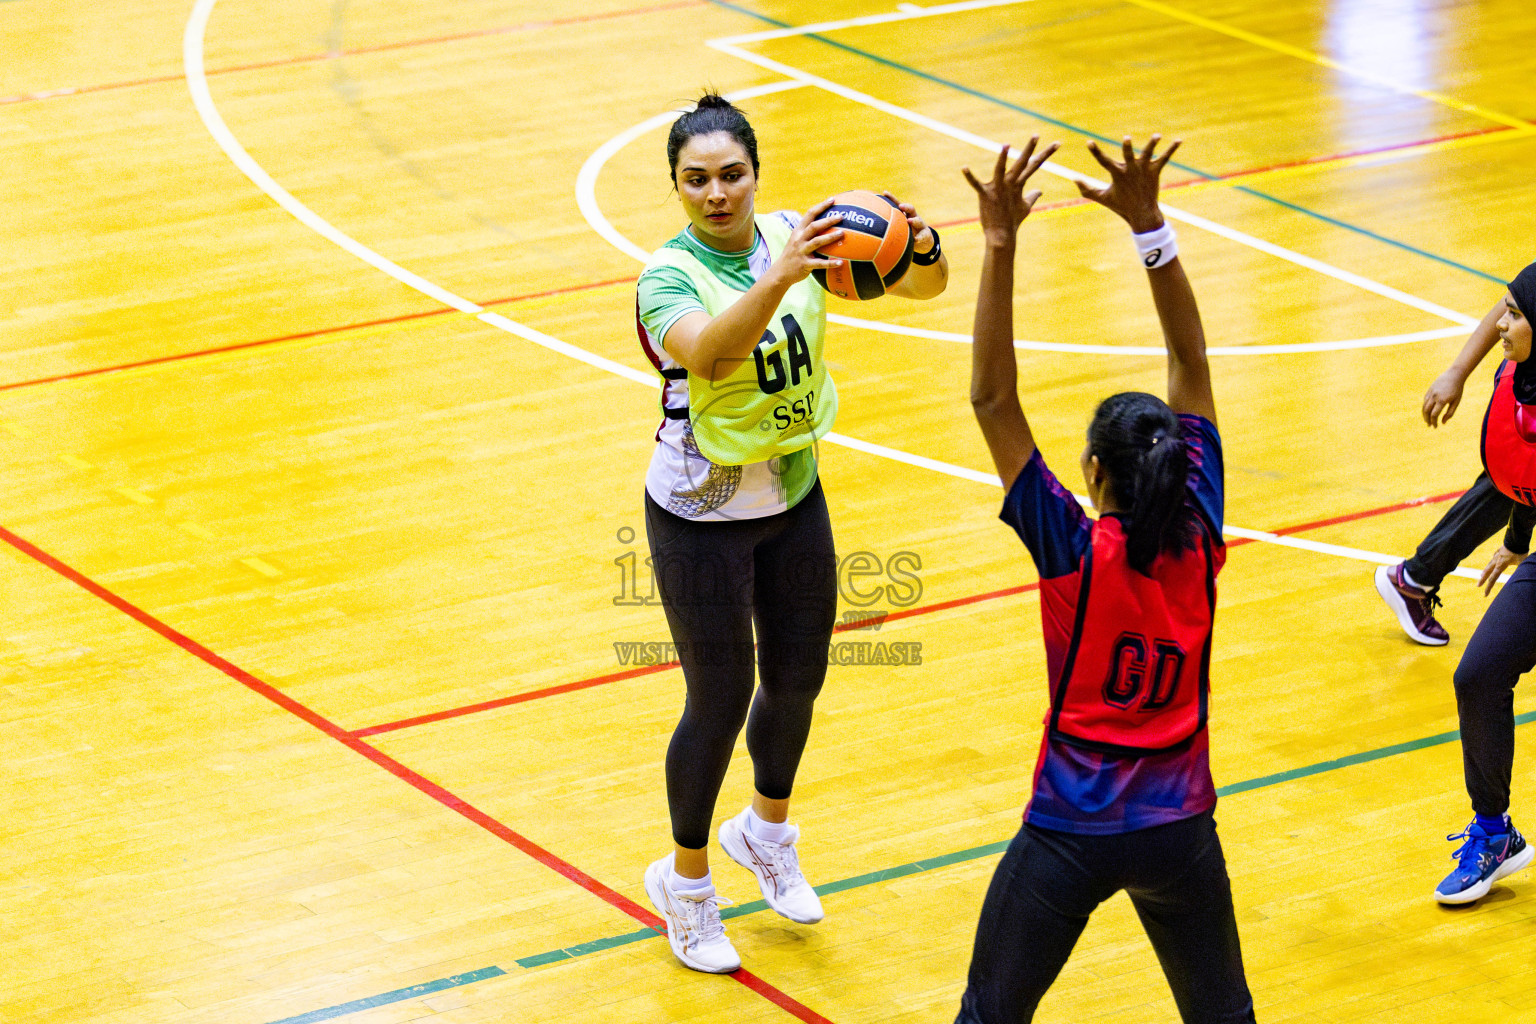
(858,881)
(1088,133)
(977,852)
(399,995)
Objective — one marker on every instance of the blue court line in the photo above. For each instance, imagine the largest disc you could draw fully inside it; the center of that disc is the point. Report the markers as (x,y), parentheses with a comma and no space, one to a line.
(1037,115)
(399,995)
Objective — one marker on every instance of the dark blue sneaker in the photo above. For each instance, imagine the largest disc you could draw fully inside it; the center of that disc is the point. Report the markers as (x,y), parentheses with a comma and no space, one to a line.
(1482,860)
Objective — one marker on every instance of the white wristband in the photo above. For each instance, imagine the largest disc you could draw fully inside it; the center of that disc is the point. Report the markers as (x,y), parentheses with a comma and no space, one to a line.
(1157,248)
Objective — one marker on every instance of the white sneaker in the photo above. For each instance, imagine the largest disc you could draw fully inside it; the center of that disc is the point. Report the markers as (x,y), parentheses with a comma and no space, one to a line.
(777,868)
(693,925)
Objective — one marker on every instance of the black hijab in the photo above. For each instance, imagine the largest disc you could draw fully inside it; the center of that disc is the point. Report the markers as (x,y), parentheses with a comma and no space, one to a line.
(1523,290)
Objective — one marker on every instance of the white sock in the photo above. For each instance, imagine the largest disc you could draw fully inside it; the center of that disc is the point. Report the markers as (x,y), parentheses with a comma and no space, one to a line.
(1411,581)
(771,831)
(697,888)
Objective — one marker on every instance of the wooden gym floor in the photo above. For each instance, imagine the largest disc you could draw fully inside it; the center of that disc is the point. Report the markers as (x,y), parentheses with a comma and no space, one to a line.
(324,428)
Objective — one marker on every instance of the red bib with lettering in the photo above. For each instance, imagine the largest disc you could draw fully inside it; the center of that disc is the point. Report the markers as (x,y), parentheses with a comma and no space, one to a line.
(1136,676)
(1509,440)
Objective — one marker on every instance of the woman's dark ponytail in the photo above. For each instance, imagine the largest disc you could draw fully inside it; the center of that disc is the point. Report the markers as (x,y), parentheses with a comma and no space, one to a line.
(713,113)
(1140,444)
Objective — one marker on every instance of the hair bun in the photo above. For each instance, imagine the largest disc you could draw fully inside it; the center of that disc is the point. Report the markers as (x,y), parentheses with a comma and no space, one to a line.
(714,101)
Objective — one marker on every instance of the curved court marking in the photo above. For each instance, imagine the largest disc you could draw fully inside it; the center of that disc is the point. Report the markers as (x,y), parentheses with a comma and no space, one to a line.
(1172,213)
(909,12)
(586,201)
(1037,115)
(197,85)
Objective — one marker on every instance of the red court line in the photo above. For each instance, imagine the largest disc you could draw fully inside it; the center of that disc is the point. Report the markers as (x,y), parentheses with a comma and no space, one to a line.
(415,780)
(178,357)
(518,698)
(1352,517)
(904,613)
(527,26)
(645,670)
(619,280)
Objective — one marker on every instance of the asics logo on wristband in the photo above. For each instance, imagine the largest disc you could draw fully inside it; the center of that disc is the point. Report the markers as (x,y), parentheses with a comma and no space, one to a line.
(1152,257)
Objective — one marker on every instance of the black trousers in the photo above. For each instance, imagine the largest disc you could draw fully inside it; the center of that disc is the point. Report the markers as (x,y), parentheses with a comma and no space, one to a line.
(1502,649)
(1049,882)
(719,580)
(1477,515)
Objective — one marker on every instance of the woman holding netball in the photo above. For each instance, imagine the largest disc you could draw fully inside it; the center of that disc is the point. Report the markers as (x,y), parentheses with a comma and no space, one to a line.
(738,528)
(1123,796)
(1503,647)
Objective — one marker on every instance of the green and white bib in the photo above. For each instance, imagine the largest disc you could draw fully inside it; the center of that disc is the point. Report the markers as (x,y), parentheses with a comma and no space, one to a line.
(741,446)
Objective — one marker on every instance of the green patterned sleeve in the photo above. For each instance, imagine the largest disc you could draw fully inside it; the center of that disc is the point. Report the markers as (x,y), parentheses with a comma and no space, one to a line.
(666,295)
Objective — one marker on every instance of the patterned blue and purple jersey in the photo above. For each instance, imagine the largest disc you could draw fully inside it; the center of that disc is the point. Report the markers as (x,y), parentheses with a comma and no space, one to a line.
(1160,635)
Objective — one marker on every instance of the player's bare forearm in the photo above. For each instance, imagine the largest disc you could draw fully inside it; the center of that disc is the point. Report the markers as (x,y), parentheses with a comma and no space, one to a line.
(1482,341)
(994,369)
(1443,397)
(1189,373)
(713,347)
(1004,205)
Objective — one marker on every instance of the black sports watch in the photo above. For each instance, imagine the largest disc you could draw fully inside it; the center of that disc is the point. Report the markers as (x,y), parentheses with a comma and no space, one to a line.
(929,258)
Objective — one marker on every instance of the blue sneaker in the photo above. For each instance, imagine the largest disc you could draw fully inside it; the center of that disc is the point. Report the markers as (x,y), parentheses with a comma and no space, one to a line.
(1483,859)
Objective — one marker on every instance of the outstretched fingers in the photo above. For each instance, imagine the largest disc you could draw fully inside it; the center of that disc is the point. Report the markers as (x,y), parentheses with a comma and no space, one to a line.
(1015,174)
(1030,161)
(1162,161)
(1109,165)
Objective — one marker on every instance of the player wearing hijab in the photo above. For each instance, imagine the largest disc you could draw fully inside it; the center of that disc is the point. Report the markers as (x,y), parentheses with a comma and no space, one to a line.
(1503,647)
(1411,588)
(1123,796)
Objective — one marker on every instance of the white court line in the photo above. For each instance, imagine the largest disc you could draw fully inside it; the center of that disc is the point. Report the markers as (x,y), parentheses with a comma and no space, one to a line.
(1150,350)
(586,178)
(586,202)
(202,99)
(1318,547)
(1172,213)
(906,12)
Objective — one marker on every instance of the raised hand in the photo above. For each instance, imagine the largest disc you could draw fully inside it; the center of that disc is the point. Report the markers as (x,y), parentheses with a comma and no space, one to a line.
(1133,185)
(799,257)
(1003,202)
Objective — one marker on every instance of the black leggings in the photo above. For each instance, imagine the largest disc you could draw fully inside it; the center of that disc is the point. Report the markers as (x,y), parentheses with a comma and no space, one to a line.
(1049,882)
(1477,515)
(718,579)
(1502,649)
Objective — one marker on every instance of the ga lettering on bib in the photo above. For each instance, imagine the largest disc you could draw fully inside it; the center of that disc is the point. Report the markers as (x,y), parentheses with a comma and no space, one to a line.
(781,399)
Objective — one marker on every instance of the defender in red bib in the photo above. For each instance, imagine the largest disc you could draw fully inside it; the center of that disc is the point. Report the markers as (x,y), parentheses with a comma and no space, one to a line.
(1509,439)
(1136,675)
(1123,796)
